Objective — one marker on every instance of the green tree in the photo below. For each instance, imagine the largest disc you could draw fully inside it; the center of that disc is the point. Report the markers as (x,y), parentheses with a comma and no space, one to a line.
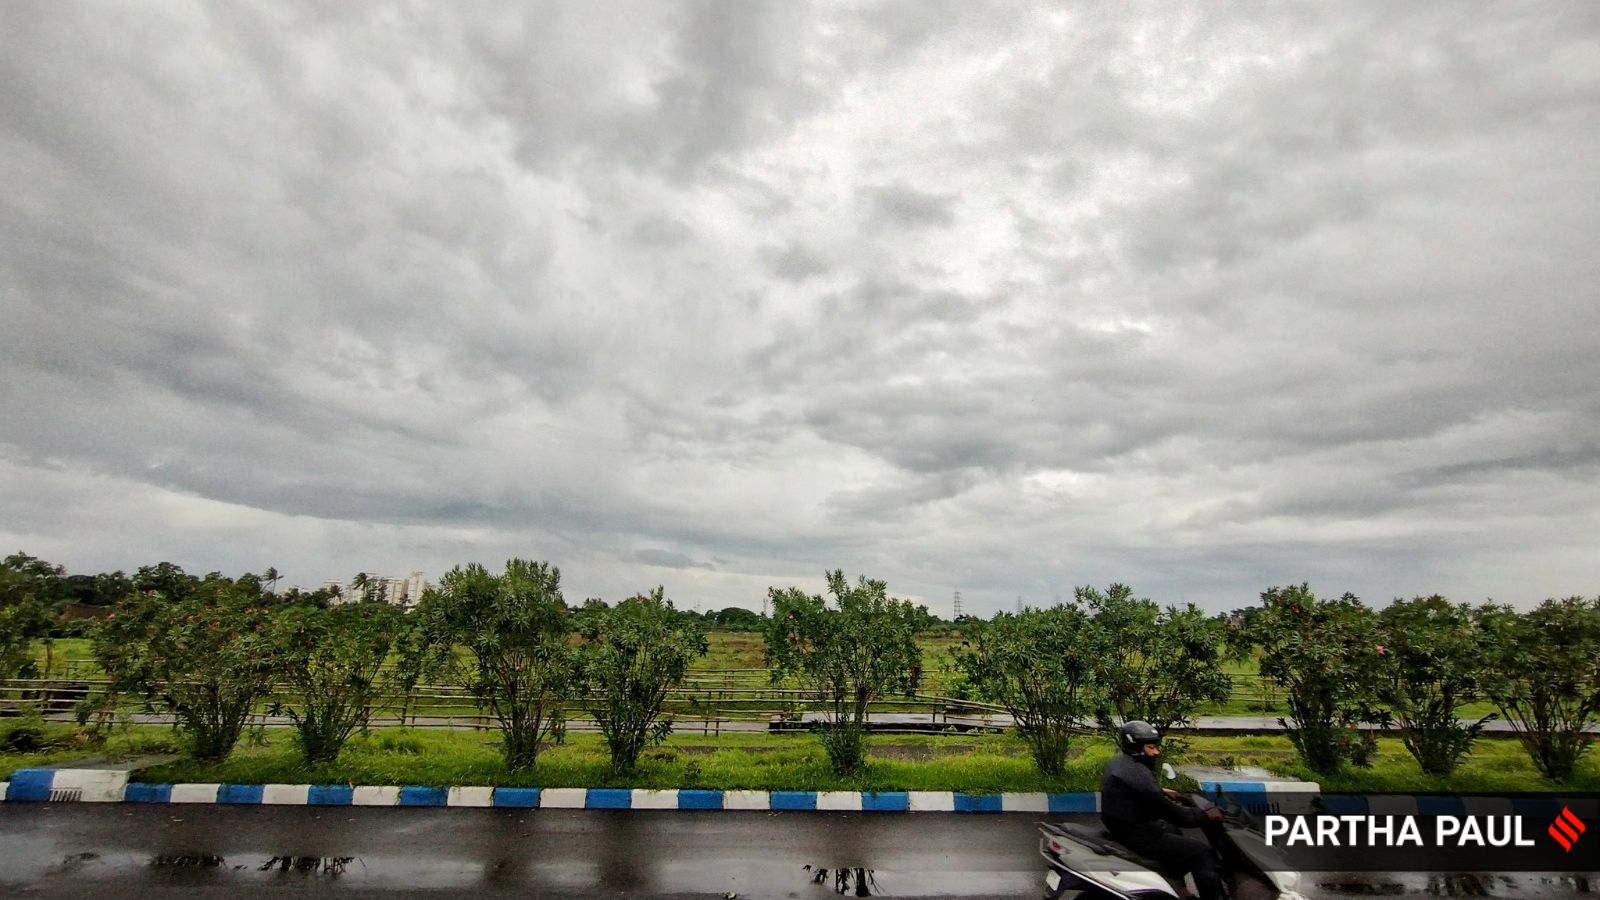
(206,658)
(635,653)
(1324,654)
(1160,665)
(24,616)
(1542,669)
(850,654)
(167,579)
(1044,666)
(1430,653)
(513,627)
(332,659)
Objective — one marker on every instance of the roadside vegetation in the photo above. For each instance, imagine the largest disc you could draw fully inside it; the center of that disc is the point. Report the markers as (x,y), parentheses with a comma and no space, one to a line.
(1398,697)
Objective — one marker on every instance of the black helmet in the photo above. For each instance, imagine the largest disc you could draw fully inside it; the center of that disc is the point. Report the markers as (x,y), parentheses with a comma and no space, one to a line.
(1132,736)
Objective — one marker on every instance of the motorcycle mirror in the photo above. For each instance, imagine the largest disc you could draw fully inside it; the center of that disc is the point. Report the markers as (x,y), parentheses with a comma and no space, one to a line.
(1168,772)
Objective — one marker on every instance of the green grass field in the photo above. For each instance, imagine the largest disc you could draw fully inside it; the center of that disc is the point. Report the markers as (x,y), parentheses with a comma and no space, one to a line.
(974,763)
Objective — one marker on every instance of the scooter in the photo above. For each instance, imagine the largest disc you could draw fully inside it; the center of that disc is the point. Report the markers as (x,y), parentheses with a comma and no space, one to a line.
(1087,864)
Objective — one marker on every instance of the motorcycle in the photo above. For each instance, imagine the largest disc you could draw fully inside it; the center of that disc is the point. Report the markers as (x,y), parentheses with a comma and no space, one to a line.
(1085,863)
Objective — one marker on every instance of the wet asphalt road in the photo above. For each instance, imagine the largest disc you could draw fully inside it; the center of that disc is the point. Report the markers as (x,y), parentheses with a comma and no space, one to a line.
(201,852)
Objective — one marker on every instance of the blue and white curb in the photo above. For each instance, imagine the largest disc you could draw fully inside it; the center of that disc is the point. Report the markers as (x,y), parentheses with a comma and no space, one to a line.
(99,786)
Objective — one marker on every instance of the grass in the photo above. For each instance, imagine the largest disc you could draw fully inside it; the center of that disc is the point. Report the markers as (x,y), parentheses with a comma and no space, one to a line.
(65,747)
(970,763)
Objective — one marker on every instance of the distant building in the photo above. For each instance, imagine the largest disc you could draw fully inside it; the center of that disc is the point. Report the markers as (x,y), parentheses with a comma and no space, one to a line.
(402,592)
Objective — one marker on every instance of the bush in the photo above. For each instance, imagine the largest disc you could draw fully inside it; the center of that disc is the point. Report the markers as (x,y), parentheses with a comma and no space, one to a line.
(1542,669)
(331,659)
(1324,655)
(1160,665)
(636,652)
(849,655)
(206,658)
(1431,652)
(514,627)
(1043,666)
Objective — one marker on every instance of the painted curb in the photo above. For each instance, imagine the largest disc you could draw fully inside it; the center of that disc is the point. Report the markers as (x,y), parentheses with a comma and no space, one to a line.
(90,785)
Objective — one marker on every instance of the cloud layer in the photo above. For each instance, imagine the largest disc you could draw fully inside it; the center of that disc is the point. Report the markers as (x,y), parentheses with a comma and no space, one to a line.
(982,297)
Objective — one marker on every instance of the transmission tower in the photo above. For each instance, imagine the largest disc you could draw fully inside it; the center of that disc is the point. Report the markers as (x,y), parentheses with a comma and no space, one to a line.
(956,615)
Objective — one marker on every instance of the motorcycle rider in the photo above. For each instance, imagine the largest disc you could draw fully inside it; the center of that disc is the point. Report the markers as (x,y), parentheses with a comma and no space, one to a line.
(1139,814)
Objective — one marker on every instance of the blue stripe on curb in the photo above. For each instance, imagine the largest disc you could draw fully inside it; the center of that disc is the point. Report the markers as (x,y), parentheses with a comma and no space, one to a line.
(1440,806)
(1233,787)
(1080,802)
(977,803)
(1344,804)
(886,801)
(608,798)
(242,794)
(330,795)
(690,799)
(796,800)
(417,795)
(139,792)
(517,798)
(30,785)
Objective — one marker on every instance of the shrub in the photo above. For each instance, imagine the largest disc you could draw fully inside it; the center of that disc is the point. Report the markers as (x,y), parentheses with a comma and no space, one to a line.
(849,655)
(206,658)
(1160,665)
(1043,666)
(331,659)
(1542,669)
(1431,652)
(635,653)
(514,628)
(1324,655)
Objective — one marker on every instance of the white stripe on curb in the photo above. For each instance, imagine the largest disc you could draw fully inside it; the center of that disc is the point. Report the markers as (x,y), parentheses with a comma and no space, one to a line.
(562,798)
(470,796)
(194,793)
(285,794)
(746,800)
(839,800)
(92,785)
(376,795)
(932,801)
(1025,803)
(651,799)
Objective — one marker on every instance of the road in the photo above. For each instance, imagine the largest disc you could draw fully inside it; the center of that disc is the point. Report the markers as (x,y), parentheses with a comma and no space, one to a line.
(84,850)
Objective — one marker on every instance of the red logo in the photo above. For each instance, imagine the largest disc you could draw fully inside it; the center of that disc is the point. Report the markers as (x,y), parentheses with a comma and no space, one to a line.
(1566,828)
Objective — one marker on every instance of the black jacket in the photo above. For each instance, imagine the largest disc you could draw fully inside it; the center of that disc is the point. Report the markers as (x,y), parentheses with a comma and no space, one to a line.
(1133,806)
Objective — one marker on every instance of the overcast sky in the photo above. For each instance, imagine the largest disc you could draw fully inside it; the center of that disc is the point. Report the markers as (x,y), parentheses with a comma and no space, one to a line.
(988,297)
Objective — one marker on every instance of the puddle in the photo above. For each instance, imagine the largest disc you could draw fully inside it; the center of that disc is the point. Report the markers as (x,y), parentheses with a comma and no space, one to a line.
(326,866)
(856,882)
(188,862)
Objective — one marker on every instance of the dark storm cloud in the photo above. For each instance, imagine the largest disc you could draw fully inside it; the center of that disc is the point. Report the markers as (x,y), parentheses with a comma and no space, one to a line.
(996,297)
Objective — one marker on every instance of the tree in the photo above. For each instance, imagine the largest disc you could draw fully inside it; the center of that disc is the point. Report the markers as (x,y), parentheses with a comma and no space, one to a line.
(1160,665)
(1324,654)
(167,579)
(332,659)
(514,628)
(271,577)
(24,615)
(635,653)
(1430,652)
(849,655)
(204,657)
(1043,666)
(1542,670)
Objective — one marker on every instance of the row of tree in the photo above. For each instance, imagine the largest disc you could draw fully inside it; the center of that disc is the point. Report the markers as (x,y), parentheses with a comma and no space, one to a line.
(209,649)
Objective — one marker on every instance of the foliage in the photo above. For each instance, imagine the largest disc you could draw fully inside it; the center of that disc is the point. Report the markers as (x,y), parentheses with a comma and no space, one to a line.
(1430,652)
(514,628)
(1542,669)
(331,659)
(205,657)
(1043,666)
(1160,665)
(1324,654)
(635,653)
(25,611)
(850,654)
